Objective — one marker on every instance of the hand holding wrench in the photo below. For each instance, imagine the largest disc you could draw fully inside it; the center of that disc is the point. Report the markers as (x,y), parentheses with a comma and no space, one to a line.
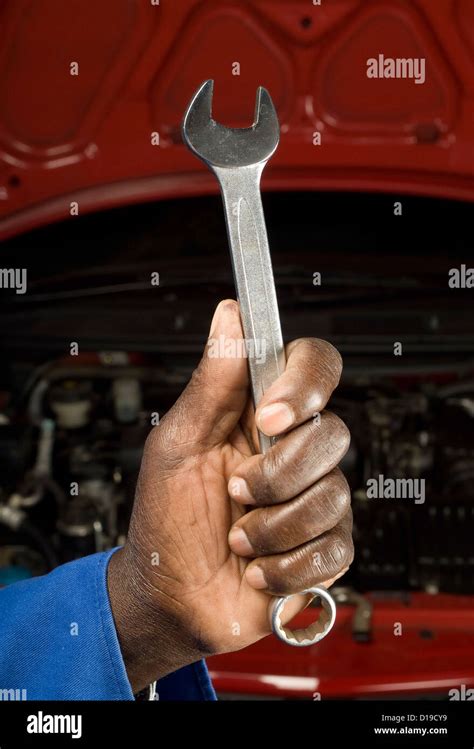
(237,157)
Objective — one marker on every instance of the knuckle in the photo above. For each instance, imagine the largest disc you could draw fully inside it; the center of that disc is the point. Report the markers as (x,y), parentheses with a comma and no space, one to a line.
(285,574)
(342,493)
(345,545)
(336,554)
(339,436)
(330,356)
(294,467)
(297,571)
(322,565)
(320,365)
(309,345)
(337,551)
(311,351)
(263,481)
(260,533)
(335,497)
(314,393)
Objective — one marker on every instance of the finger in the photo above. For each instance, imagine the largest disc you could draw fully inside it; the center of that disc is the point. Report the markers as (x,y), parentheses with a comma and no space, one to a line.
(293,464)
(212,403)
(298,602)
(312,372)
(306,566)
(272,530)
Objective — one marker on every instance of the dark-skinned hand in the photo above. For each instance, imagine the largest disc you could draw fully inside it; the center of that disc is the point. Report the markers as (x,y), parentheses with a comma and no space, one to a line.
(217,527)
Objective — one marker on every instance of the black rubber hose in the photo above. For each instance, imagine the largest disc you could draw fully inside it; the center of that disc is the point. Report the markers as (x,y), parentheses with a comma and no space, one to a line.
(41,543)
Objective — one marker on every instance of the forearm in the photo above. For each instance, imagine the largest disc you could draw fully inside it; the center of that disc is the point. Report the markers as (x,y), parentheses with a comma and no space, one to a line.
(153,640)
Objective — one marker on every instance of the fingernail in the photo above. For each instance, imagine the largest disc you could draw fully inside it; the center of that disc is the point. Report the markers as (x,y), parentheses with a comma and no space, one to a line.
(239,542)
(275,418)
(256,578)
(239,491)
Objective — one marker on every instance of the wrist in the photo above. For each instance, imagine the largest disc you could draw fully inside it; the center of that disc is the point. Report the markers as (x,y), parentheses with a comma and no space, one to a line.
(152,632)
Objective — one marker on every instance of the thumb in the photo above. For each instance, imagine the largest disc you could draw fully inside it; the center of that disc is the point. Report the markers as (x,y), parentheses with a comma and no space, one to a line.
(212,403)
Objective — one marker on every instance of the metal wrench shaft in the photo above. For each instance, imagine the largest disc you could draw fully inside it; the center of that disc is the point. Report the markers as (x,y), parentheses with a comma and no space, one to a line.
(237,158)
(253,275)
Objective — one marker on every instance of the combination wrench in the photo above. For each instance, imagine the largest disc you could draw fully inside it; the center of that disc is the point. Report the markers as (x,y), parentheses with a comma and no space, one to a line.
(237,157)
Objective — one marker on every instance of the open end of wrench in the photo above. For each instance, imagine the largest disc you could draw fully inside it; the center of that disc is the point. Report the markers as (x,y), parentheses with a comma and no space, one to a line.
(237,157)
(221,146)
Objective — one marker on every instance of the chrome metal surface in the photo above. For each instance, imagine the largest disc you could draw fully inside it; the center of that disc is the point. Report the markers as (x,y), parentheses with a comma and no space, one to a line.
(237,156)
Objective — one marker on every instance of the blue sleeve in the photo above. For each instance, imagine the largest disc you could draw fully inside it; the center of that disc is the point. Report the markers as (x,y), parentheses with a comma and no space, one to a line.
(58,640)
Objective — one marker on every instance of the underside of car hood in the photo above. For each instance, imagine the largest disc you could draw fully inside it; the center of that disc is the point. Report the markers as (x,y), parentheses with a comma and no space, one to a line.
(93,94)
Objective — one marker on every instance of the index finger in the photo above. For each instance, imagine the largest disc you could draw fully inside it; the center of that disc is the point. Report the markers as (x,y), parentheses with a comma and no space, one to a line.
(312,372)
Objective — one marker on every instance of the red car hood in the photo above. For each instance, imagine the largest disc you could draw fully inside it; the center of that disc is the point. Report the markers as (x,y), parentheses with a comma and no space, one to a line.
(93,94)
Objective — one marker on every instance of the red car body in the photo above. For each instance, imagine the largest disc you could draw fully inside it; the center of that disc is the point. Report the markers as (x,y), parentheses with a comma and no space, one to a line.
(92,98)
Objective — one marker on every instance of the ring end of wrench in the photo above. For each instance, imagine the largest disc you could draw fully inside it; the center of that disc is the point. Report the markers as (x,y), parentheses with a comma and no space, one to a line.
(316,631)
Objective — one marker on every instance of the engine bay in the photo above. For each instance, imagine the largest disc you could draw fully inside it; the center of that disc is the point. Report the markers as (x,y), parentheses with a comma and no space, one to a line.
(96,353)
